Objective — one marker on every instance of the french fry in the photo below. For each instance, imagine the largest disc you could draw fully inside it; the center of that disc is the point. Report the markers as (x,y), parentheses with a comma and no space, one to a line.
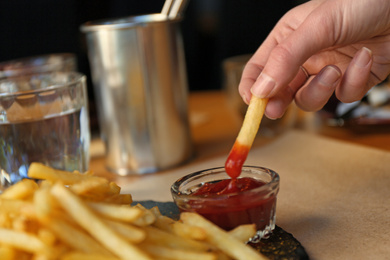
(118,199)
(246,136)
(74,216)
(41,171)
(43,203)
(84,256)
(221,239)
(13,205)
(252,121)
(157,236)
(95,185)
(46,236)
(129,232)
(86,218)
(114,188)
(177,254)
(20,190)
(75,238)
(7,253)
(23,241)
(124,213)
(147,217)
(179,228)
(243,232)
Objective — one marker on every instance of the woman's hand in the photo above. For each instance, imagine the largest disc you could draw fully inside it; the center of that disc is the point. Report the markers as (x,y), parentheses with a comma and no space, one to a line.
(318,48)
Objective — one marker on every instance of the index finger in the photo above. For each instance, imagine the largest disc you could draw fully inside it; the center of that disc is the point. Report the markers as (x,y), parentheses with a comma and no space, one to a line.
(277,60)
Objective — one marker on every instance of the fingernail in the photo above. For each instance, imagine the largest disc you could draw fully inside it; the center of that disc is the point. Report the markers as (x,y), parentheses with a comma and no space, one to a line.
(263,86)
(363,57)
(246,98)
(329,75)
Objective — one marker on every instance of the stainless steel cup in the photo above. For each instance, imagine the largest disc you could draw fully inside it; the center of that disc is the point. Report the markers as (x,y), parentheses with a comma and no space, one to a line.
(140,84)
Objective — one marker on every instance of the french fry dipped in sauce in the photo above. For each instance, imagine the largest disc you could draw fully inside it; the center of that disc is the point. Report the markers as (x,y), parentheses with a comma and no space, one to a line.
(246,136)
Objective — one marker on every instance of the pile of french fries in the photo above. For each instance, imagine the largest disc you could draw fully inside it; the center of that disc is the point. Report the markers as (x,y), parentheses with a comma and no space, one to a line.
(74,216)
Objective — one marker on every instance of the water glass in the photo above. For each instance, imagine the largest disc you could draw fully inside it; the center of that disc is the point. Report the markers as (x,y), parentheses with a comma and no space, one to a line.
(43,118)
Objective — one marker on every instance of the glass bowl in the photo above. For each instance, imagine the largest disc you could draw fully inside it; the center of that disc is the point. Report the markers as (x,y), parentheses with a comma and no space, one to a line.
(253,206)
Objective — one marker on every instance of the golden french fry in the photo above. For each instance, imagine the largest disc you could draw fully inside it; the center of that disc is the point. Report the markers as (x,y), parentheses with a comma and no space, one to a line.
(75,238)
(177,254)
(252,121)
(7,253)
(87,219)
(192,232)
(163,238)
(22,241)
(5,220)
(118,212)
(118,199)
(20,190)
(179,228)
(13,205)
(221,239)
(46,236)
(147,217)
(43,203)
(243,232)
(94,185)
(114,188)
(246,136)
(84,256)
(131,233)
(41,171)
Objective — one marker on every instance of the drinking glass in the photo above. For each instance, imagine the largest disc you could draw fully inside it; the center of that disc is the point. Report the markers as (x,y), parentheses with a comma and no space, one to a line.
(38,64)
(43,118)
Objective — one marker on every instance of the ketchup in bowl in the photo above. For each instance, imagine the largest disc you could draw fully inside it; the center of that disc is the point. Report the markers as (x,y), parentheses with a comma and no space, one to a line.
(250,198)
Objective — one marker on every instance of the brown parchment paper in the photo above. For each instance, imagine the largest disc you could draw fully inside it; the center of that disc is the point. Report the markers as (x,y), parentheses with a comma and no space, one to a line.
(334,196)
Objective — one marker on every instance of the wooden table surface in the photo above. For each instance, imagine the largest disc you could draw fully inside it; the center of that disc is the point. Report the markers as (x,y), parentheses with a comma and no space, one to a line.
(215,124)
(336,230)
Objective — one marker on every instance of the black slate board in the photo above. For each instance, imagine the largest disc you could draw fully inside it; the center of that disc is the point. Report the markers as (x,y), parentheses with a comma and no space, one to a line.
(281,245)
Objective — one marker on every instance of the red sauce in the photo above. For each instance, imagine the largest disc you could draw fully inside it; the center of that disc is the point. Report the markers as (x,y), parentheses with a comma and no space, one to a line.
(230,211)
(236,159)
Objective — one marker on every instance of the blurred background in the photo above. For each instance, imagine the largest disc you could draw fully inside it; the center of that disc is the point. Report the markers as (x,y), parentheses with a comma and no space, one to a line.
(213,30)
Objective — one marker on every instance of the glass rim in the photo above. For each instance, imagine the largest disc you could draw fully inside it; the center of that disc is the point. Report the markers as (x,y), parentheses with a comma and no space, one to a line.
(175,187)
(9,68)
(127,22)
(76,77)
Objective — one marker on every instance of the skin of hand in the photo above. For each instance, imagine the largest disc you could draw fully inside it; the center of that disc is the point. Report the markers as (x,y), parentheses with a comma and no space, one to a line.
(344,46)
